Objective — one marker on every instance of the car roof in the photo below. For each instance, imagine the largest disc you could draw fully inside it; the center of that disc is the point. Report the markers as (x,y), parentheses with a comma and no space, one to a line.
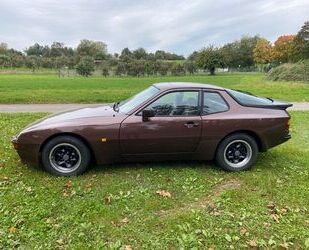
(176,85)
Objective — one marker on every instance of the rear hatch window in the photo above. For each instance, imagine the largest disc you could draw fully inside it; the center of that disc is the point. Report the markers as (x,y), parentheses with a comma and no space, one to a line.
(248,99)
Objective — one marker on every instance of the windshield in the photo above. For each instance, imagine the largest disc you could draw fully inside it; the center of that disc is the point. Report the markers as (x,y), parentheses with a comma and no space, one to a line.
(133,102)
(248,99)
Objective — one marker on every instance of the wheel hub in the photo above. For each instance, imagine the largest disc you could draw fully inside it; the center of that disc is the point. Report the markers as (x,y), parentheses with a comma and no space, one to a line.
(237,153)
(65,157)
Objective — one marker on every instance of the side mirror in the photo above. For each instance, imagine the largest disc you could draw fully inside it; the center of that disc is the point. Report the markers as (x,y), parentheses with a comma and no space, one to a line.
(146,114)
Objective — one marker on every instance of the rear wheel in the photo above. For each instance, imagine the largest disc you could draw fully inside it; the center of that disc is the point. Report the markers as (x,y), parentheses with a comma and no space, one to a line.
(65,156)
(237,152)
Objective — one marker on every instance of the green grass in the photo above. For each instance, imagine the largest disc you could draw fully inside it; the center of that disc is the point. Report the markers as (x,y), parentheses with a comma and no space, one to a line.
(207,207)
(51,89)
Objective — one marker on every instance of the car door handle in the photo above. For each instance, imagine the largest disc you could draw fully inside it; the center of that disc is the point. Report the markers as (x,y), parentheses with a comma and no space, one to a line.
(191,124)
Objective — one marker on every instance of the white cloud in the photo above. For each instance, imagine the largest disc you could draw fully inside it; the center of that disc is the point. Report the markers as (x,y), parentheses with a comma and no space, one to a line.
(176,25)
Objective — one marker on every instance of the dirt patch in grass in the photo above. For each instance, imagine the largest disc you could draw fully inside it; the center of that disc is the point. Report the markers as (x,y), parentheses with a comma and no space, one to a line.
(205,202)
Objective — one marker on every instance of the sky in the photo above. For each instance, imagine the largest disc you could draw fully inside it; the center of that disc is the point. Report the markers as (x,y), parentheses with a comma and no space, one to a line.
(179,26)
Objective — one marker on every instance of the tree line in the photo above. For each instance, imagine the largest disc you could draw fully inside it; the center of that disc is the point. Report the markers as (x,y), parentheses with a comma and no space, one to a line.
(246,54)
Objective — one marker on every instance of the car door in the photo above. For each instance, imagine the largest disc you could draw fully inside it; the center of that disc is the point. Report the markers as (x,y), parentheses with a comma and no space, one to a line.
(175,128)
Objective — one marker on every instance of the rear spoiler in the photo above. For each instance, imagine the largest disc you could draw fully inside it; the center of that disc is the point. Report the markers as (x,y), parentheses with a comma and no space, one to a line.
(276,105)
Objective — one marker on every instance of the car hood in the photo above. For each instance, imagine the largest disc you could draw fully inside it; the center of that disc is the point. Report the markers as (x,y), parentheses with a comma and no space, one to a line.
(103,112)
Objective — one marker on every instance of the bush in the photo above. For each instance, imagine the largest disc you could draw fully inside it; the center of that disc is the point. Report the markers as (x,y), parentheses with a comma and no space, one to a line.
(85,67)
(290,72)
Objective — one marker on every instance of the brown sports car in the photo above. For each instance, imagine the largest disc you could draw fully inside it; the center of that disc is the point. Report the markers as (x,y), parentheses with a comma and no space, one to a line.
(167,121)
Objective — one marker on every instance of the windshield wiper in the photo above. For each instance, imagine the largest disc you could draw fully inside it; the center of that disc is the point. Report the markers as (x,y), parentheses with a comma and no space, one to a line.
(270,99)
(115,106)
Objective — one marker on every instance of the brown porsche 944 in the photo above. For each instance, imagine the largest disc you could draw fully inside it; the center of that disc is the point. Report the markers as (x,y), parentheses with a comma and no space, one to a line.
(167,121)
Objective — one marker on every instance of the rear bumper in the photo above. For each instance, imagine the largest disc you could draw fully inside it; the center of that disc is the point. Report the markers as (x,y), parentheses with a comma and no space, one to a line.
(280,140)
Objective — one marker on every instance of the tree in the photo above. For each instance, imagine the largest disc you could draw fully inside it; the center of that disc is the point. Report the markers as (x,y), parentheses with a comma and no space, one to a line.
(126,55)
(35,50)
(301,43)
(246,47)
(95,49)
(56,49)
(121,69)
(177,69)
(136,68)
(86,66)
(140,53)
(4,60)
(283,48)
(163,55)
(209,59)
(105,71)
(239,54)
(3,48)
(193,56)
(263,52)
(32,62)
(190,66)
(162,68)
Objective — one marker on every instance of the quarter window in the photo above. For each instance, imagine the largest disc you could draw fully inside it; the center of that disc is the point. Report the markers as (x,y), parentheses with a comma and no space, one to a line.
(213,103)
(181,103)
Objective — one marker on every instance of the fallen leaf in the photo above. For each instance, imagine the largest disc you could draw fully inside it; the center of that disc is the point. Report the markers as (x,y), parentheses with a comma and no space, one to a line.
(266,224)
(252,243)
(243,231)
(65,193)
(307,222)
(108,200)
(68,184)
(125,220)
(284,210)
(275,217)
(29,189)
(271,205)
(12,230)
(164,193)
(60,241)
(284,245)
(127,247)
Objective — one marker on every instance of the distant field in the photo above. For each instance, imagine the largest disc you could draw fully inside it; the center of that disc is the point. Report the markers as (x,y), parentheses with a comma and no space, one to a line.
(51,89)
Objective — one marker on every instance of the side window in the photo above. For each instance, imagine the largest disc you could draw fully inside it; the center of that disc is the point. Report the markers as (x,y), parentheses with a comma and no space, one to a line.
(213,103)
(181,103)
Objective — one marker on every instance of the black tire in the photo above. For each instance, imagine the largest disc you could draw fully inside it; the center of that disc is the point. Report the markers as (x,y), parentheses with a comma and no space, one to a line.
(228,159)
(67,151)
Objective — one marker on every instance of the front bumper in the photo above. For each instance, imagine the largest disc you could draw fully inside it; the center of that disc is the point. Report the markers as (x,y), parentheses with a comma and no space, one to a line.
(15,142)
(28,153)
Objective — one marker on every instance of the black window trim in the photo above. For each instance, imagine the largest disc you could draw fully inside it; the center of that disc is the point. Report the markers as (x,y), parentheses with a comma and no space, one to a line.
(137,113)
(217,92)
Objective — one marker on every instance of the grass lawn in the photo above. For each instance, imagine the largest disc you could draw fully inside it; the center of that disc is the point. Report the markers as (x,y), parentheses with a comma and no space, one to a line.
(117,205)
(51,89)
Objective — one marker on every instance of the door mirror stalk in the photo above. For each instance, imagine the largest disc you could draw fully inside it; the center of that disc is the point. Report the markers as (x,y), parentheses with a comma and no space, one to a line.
(146,114)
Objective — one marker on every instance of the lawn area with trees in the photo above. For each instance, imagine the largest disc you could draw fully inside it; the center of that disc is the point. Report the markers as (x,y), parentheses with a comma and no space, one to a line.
(250,53)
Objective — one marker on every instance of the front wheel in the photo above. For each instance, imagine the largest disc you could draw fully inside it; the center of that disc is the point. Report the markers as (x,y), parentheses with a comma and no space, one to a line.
(65,156)
(237,152)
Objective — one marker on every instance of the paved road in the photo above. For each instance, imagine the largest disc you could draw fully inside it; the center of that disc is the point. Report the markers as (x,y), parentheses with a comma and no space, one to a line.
(14,108)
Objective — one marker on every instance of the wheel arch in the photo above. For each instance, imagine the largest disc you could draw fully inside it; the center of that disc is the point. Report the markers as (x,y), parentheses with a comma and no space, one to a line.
(261,145)
(84,140)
